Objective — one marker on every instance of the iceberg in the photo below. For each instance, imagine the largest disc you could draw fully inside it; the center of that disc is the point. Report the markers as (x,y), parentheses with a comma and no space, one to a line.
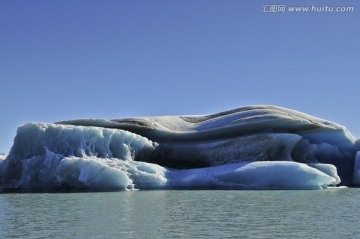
(356,176)
(2,156)
(254,147)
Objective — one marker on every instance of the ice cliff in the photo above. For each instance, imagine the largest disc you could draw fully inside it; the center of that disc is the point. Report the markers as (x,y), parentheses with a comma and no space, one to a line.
(255,147)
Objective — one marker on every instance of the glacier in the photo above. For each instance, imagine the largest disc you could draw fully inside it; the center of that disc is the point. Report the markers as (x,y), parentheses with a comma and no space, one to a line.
(253,147)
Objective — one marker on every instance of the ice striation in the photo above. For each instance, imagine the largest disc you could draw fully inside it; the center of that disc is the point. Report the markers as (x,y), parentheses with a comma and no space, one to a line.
(254,147)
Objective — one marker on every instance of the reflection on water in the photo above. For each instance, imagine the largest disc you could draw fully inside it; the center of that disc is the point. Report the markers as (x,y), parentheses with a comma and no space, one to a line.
(182,214)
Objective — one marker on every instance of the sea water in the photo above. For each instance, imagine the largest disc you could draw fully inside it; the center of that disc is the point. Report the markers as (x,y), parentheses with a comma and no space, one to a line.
(331,213)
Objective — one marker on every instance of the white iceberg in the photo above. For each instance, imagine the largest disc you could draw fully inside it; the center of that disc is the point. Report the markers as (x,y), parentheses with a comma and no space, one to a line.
(255,147)
(2,156)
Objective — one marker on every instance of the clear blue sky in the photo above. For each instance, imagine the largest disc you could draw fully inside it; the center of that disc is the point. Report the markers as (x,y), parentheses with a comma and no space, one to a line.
(74,59)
